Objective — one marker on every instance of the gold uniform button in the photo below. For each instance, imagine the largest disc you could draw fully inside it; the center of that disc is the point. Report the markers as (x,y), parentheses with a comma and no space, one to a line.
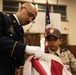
(14,21)
(10,34)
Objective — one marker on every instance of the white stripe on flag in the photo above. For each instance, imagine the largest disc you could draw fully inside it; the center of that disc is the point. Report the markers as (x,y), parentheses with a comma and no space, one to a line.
(53,66)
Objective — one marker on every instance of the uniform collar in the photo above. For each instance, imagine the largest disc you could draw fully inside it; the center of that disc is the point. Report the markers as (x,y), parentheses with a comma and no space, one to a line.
(57,52)
(16,18)
(52,52)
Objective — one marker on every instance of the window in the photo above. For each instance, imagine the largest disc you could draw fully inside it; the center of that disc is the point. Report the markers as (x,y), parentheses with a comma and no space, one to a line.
(12,7)
(54,9)
(60,9)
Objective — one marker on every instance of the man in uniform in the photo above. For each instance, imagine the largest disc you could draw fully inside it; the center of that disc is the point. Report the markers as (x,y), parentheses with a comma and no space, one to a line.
(53,38)
(12,47)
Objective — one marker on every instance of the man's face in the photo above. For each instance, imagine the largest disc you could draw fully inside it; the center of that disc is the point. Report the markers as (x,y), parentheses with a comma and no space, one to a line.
(53,42)
(27,16)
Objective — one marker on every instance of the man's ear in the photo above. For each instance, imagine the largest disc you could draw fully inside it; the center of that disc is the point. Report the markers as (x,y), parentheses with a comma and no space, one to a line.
(20,9)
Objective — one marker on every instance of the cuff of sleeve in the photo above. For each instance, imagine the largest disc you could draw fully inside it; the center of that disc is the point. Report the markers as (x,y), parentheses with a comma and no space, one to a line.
(19,50)
(18,53)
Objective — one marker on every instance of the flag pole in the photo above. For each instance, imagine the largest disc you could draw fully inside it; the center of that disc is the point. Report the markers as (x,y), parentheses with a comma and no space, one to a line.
(47,23)
(46,1)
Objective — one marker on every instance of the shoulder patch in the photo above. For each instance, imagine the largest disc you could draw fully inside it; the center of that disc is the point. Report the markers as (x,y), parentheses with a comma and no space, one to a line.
(70,54)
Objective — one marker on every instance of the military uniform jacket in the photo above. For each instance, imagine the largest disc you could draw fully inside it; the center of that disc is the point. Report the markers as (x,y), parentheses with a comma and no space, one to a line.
(11,44)
(67,58)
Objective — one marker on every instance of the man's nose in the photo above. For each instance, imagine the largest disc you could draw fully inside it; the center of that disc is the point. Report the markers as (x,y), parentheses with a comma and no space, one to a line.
(52,41)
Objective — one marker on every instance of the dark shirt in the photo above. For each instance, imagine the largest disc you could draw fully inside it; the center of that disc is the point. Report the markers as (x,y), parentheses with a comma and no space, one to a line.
(11,44)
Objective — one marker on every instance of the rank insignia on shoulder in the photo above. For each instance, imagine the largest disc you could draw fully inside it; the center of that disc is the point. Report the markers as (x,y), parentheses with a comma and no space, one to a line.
(11,29)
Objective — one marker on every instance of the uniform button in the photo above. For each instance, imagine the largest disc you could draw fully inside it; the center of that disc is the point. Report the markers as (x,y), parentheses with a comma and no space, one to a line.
(12,65)
(10,34)
(20,33)
(14,21)
(15,58)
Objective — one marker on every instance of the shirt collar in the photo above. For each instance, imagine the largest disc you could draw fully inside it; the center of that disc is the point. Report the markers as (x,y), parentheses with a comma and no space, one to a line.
(16,18)
(57,52)
(52,52)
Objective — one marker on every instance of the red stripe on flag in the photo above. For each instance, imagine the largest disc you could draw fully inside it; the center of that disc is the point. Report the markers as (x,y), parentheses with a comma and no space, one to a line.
(56,68)
(38,67)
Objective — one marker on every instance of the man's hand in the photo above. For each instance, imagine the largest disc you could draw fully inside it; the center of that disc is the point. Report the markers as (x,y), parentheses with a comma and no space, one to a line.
(20,70)
(37,51)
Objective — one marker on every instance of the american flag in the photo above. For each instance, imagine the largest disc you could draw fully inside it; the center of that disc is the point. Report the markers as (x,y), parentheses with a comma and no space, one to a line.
(52,66)
(47,17)
(48,24)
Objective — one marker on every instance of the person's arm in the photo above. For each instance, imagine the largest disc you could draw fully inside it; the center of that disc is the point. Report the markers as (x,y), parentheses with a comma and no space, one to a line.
(12,49)
(73,61)
(36,51)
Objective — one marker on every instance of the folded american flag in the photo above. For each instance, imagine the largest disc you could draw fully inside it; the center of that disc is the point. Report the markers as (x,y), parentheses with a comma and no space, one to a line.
(52,66)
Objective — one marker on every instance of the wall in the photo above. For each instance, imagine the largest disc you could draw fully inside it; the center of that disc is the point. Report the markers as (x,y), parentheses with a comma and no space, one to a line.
(71,17)
(1,5)
(72,22)
(70,26)
(39,25)
(67,27)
